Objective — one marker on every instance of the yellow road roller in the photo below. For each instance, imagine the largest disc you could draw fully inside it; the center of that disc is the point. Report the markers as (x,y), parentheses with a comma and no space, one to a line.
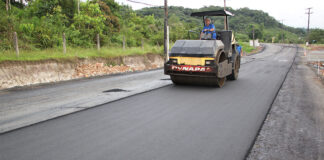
(208,61)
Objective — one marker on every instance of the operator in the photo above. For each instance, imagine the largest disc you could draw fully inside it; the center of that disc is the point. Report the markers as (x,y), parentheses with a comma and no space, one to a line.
(208,31)
(239,49)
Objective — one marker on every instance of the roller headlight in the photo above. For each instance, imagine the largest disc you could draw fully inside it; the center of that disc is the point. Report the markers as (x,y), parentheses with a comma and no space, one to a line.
(173,61)
(209,62)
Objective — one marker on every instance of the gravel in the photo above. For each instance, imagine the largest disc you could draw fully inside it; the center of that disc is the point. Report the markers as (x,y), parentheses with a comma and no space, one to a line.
(294,127)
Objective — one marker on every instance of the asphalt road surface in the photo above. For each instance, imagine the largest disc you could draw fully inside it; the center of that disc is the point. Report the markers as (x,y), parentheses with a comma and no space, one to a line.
(170,123)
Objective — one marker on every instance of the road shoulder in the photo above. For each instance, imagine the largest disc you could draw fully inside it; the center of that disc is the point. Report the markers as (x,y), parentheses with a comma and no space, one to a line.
(27,106)
(293,129)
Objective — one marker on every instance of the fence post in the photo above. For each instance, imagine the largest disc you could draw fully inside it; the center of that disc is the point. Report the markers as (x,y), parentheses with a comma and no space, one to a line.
(15,39)
(318,67)
(64,43)
(124,43)
(142,44)
(98,42)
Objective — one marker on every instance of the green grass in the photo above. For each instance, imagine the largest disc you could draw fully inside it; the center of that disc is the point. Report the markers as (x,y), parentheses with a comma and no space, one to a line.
(311,46)
(246,47)
(72,53)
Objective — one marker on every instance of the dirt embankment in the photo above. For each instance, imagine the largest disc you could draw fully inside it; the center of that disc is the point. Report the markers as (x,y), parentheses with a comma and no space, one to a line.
(24,73)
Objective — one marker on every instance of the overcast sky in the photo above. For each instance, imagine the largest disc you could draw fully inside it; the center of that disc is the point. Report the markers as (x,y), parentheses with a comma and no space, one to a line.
(292,12)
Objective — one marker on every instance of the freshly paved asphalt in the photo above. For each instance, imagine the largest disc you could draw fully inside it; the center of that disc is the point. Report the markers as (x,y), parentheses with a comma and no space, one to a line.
(24,106)
(170,123)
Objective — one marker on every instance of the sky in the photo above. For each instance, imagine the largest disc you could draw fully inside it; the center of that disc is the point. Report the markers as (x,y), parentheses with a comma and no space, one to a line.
(292,12)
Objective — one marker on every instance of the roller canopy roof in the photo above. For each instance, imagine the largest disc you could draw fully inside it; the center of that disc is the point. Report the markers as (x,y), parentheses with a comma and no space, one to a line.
(212,13)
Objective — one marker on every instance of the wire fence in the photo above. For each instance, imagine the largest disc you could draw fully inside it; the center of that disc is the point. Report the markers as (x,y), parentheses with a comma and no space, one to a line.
(316,60)
(15,39)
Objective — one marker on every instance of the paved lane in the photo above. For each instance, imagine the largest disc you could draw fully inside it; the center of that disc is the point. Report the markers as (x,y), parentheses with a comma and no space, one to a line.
(171,123)
(24,106)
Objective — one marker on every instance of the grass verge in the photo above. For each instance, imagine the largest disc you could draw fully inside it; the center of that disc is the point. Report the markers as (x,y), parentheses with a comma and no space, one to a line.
(72,53)
(246,47)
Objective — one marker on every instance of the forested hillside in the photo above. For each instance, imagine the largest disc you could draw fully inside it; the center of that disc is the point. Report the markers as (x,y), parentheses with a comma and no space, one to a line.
(266,27)
(40,24)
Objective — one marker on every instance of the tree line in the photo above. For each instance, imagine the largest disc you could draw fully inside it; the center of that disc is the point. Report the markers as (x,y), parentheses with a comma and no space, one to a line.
(244,21)
(40,24)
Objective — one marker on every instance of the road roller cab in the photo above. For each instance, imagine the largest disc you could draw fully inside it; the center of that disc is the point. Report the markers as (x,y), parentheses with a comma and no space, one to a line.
(205,62)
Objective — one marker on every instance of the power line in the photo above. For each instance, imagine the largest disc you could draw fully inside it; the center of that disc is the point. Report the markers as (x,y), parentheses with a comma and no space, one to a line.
(147,4)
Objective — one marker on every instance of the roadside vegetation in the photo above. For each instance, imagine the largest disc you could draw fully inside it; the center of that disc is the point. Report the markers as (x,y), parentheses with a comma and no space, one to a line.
(246,47)
(315,47)
(40,26)
(75,53)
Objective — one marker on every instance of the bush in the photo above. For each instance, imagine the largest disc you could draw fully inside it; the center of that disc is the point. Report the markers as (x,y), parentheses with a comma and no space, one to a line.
(88,24)
(242,37)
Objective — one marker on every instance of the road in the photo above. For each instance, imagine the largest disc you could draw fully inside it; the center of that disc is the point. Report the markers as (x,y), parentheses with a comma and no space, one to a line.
(169,123)
(294,128)
(24,106)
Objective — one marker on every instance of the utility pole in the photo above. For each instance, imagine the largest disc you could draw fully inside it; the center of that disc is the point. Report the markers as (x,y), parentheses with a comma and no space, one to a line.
(309,13)
(224,5)
(166,31)
(225,25)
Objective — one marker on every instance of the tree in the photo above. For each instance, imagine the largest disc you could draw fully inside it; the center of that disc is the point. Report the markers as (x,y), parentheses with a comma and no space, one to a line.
(86,25)
(69,8)
(177,28)
(41,8)
(107,7)
(317,35)
(258,31)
